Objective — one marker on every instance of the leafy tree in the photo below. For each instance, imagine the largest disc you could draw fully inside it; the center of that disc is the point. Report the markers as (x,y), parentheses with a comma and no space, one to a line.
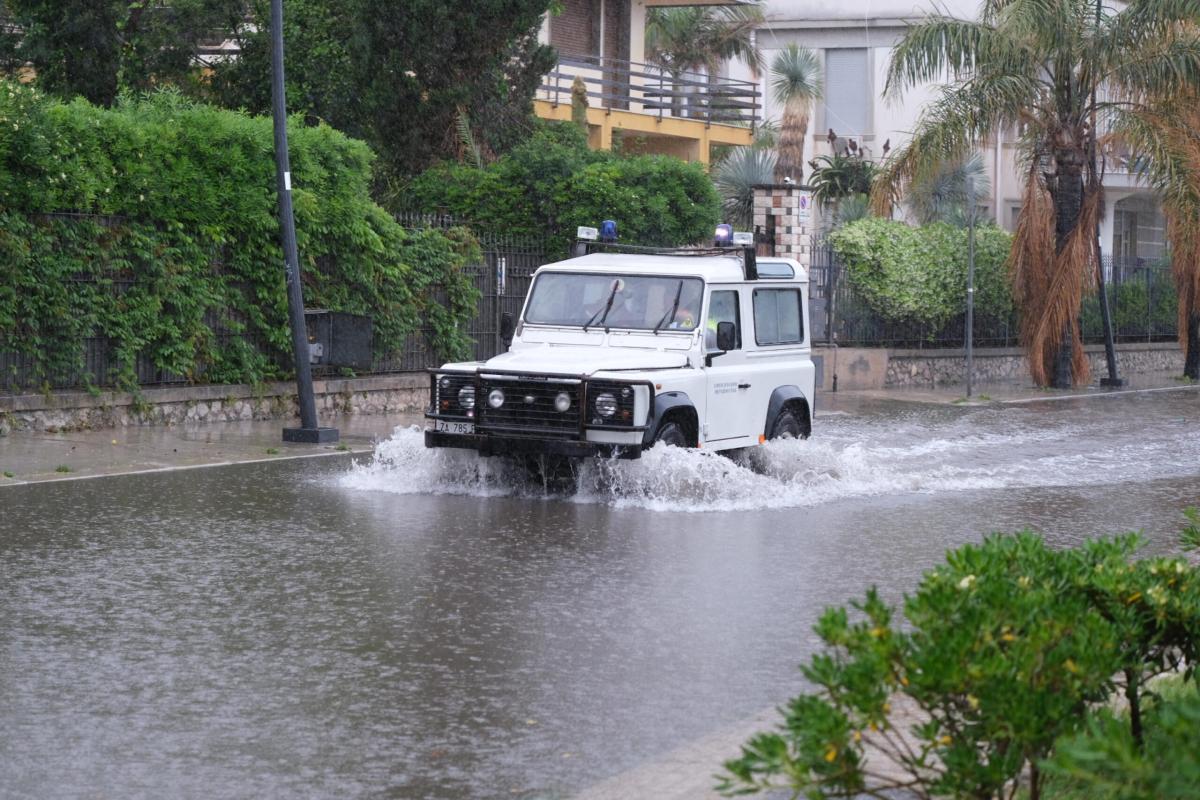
(553,183)
(397,73)
(1050,67)
(796,84)
(96,48)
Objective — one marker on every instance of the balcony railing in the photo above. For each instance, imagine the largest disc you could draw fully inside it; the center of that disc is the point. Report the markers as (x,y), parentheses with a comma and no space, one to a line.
(650,89)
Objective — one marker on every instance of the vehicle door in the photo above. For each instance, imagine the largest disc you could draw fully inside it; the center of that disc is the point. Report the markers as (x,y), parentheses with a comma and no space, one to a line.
(726,416)
(779,355)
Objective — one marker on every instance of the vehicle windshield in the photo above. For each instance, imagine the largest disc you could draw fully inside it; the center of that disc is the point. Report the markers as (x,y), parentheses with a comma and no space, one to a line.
(641,302)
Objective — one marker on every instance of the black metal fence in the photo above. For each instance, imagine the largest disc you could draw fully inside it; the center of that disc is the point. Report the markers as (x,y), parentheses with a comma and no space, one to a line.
(1142,300)
(502,277)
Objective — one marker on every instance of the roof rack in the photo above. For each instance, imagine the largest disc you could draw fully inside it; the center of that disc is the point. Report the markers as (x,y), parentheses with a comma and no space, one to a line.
(744,253)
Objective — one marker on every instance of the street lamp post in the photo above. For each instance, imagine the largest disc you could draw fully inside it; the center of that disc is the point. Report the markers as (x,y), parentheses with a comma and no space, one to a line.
(970,282)
(308,431)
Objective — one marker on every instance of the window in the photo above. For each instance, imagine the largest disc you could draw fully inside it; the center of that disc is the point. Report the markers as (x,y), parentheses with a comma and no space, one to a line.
(641,302)
(847,92)
(777,317)
(576,31)
(722,307)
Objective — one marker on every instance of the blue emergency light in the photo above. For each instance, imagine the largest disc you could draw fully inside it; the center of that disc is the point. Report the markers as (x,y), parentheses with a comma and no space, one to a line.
(608,231)
(724,235)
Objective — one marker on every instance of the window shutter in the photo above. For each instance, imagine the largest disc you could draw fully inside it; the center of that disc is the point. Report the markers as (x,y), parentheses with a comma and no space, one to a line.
(847,92)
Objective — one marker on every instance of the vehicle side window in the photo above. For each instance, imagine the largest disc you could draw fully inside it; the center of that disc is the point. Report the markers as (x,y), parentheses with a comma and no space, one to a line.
(722,307)
(777,316)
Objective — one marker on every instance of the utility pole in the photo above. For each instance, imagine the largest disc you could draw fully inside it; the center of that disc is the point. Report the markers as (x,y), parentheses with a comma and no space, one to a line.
(970,282)
(308,431)
(1110,353)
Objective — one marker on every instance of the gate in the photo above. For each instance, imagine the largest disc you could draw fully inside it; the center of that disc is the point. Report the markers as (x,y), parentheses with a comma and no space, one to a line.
(503,280)
(822,289)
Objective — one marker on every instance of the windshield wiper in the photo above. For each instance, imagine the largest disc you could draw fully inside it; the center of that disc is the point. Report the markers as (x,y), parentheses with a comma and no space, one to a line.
(607,306)
(670,314)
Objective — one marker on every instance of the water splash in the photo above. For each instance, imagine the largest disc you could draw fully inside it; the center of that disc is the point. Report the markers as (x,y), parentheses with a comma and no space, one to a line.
(852,457)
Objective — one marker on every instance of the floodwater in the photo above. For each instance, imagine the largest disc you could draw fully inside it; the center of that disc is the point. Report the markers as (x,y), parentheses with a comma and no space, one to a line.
(422,625)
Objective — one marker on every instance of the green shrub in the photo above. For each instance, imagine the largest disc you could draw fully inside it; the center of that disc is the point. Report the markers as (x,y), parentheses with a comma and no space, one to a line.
(908,274)
(1104,762)
(1007,646)
(553,183)
(191,234)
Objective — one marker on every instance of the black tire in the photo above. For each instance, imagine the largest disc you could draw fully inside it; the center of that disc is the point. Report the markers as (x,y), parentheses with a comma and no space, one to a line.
(672,433)
(786,426)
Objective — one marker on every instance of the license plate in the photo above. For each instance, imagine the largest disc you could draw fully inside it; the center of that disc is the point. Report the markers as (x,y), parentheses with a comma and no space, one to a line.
(444,426)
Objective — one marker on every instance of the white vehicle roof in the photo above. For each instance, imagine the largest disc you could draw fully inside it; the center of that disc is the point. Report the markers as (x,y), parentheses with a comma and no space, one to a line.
(712,268)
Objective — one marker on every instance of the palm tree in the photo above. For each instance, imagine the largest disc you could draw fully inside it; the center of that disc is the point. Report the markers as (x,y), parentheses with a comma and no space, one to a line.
(1045,65)
(950,192)
(796,84)
(735,178)
(1165,139)
(697,38)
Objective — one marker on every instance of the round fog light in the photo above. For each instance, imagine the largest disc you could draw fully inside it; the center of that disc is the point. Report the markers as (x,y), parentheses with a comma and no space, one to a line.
(562,402)
(606,405)
(444,382)
(496,398)
(466,397)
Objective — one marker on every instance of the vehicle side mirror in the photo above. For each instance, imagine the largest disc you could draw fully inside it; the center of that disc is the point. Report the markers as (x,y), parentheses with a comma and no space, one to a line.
(507,327)
(726,336)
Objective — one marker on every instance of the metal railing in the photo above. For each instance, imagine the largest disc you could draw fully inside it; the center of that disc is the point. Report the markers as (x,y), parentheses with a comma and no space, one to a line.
(1142,300)
(651,89)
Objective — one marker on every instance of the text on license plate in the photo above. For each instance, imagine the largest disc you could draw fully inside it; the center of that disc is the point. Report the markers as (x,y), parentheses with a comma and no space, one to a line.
(443,426)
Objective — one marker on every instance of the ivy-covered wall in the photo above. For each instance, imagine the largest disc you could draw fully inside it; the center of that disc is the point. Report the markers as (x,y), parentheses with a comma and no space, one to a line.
(174,253)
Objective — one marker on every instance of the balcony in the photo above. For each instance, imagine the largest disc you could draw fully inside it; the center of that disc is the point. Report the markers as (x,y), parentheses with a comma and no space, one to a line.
(681,114)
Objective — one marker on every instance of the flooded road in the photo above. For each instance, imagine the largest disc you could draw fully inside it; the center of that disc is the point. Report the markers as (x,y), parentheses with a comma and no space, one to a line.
(424,626)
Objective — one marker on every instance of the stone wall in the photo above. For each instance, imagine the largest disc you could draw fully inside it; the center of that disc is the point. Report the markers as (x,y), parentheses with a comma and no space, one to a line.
(927,368)
(64,411)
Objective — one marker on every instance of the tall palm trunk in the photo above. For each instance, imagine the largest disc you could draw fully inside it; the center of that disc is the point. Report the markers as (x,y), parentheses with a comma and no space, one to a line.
(1183,232)
(792,134)
(1068,206)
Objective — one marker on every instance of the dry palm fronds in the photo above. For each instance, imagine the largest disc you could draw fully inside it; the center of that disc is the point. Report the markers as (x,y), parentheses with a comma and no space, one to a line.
(1048,284)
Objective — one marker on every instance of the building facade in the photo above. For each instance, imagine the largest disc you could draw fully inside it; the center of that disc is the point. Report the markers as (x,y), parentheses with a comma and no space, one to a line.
(855,42)
(633,105)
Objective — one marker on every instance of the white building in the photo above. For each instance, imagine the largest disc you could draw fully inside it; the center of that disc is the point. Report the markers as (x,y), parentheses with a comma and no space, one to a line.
(855,40)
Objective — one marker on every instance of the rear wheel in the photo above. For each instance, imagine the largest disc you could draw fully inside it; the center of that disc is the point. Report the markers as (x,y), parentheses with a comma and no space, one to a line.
(786,426)
(671,433)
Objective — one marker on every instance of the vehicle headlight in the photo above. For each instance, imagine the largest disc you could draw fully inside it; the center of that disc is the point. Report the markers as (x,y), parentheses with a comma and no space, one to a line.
(444,382)
(606,404)
(466,397)
(496,398)
(562,402)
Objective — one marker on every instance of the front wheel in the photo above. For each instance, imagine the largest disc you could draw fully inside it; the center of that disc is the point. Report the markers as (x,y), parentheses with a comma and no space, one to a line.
(672,434)
(786,426)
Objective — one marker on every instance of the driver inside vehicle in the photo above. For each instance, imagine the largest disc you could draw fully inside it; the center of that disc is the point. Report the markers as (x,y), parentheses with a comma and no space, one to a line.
(685,319)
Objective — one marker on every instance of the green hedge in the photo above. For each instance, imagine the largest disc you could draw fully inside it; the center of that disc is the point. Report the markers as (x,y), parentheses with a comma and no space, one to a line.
(553,183)
(189,227)
(908,274)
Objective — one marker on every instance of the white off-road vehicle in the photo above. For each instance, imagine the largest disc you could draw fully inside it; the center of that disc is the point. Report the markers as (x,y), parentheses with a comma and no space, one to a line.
(618,350)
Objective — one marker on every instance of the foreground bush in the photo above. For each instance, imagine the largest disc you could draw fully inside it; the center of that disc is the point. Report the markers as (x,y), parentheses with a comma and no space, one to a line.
(908,274)
(1008,645)
(553,183)
(177,241)
(1105,762)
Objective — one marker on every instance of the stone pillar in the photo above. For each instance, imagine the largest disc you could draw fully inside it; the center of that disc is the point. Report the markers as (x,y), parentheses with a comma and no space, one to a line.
(786,214)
